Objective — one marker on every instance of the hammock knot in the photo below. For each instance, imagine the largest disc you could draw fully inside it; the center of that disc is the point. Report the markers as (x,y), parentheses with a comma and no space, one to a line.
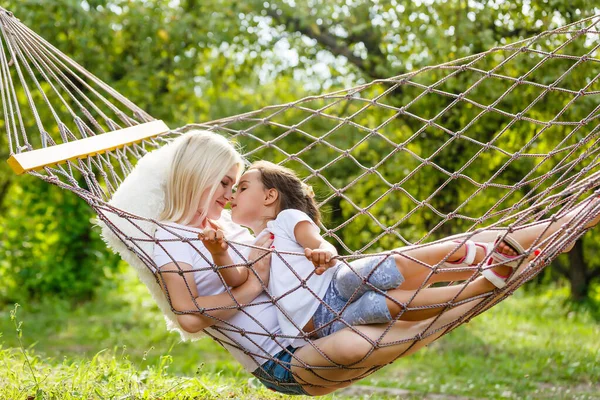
(581,93)
(519,116)
(303,283)
(53,179)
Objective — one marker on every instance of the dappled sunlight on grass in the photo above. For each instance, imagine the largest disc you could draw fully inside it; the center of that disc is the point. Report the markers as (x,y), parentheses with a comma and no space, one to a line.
(534,345)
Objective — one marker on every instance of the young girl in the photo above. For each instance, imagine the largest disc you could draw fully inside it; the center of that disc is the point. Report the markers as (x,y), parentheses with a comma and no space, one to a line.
(314,299)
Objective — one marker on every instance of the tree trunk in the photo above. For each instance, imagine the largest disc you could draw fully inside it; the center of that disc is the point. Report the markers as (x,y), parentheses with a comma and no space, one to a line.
(577,275)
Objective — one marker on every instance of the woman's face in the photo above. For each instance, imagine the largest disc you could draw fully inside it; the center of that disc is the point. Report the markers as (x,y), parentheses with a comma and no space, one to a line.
(247,202)
(222,195)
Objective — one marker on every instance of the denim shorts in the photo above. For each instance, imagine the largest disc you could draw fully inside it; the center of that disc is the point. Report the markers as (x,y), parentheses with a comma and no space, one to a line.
(355,296)
(276,374)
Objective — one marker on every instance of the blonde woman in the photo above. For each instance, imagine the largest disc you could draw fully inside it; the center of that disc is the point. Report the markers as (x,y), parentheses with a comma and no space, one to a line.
(229,303)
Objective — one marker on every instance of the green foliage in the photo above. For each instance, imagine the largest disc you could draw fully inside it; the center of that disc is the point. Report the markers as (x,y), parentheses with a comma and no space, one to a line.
(48,246)
(193,61)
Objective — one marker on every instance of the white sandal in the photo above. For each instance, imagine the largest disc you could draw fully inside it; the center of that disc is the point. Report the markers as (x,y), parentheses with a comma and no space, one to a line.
(469,258)
(496,258)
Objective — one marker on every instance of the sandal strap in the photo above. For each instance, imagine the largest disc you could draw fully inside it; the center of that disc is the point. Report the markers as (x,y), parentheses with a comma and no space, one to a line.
(499,258)
(470,253)
(493,278)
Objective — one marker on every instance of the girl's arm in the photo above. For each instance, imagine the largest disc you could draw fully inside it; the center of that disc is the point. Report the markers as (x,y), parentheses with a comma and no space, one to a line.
(316,249)
(183,293)
(216,245)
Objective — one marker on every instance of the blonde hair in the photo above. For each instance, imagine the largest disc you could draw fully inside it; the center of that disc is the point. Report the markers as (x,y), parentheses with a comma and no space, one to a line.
(201,161)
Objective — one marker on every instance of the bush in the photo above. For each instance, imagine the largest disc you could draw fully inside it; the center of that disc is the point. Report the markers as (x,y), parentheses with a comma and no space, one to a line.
(49,246)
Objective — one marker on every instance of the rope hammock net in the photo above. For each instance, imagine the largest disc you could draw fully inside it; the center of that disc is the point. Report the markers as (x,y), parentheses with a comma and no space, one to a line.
(391,148)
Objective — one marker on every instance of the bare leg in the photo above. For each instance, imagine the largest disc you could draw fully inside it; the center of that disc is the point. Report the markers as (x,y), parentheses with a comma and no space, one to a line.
(349,348)
(539,231)
(399,299)
(418,274)
(438,296)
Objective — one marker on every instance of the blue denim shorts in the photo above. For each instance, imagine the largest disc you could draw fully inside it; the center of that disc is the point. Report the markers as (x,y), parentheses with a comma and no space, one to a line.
(276,374)
(355,296)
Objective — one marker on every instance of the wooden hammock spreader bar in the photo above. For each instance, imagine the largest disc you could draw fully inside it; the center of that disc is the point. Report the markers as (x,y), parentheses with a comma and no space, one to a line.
(91,146)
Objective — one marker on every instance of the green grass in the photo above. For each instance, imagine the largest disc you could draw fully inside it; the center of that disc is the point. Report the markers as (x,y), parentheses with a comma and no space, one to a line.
(534,345)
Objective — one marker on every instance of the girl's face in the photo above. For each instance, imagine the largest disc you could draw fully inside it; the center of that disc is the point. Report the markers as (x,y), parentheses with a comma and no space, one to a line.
(248,200)
(222,195)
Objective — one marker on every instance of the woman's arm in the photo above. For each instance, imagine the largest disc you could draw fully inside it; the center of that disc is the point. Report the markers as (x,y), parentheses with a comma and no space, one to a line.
(316,249)
(214,242)
(182,292)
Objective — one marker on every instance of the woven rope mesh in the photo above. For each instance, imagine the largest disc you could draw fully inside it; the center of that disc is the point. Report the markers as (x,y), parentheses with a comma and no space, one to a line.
(408,160)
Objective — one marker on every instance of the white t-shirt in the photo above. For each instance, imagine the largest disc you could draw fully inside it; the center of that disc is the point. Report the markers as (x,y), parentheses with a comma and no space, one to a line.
(256,321)
(298,302)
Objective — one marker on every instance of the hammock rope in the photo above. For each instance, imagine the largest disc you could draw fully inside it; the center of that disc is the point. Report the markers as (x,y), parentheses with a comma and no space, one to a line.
(49,101)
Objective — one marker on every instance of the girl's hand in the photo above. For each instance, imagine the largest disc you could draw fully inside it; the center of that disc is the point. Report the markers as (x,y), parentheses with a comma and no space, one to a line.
(214,241)
(322,259)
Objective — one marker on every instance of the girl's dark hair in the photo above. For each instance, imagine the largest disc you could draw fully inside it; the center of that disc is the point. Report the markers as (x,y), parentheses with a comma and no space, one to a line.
(293,193)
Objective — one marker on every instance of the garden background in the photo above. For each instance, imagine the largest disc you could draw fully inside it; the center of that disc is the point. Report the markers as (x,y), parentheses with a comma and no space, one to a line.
(86,328)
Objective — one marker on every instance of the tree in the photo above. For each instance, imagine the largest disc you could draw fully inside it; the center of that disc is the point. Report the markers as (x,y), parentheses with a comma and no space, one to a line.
(201,60)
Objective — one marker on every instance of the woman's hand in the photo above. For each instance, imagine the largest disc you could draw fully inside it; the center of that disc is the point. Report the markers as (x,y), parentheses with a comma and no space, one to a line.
(262,267)
(322,259)
(214,241)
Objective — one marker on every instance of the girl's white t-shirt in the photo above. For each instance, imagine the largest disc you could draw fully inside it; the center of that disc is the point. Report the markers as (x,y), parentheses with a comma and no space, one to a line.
(258,322)
(297,303)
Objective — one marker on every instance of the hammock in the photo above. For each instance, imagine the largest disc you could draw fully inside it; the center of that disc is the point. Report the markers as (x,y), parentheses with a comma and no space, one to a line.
(518,165)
